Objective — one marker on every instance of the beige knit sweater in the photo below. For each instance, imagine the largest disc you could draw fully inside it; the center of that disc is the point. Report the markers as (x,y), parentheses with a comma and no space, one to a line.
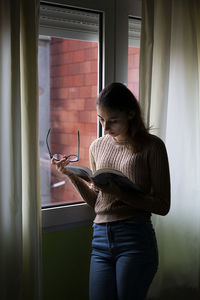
(148,169)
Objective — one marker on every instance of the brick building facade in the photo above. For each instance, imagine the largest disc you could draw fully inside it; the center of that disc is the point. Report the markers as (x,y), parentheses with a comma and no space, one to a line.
(73,93)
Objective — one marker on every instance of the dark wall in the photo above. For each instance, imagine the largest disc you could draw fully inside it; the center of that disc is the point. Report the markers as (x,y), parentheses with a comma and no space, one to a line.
(66,260)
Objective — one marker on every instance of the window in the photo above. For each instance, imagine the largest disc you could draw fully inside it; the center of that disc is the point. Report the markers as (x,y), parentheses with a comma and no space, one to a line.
(134,55)
(94,26)
(68,87)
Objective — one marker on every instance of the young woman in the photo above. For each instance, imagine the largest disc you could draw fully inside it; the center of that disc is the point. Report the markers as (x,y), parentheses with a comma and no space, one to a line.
(124,256)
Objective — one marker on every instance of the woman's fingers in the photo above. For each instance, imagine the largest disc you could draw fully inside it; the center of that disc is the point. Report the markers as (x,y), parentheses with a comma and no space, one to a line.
(105,188)
(110,188)
(60,164)
(53,161)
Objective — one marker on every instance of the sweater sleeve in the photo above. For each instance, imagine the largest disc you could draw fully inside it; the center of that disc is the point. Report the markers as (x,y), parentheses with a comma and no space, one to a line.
(158,199)
(88,193)
(92,167)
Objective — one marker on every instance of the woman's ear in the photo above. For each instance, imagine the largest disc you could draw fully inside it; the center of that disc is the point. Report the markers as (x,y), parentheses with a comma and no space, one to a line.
(131,115)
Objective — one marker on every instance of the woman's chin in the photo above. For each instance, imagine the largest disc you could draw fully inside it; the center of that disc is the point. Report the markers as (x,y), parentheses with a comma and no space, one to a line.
(111,134)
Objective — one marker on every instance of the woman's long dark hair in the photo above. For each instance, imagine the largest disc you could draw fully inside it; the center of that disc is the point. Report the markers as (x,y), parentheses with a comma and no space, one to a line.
(116,96)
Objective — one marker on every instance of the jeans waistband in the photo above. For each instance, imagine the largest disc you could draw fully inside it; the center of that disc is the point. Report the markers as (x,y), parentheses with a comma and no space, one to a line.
(136,220)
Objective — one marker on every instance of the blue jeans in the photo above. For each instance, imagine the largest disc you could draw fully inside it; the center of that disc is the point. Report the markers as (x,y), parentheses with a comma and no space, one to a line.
(124,259)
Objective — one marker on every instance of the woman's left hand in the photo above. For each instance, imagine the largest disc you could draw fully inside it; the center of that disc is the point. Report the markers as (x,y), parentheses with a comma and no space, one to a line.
(110,188)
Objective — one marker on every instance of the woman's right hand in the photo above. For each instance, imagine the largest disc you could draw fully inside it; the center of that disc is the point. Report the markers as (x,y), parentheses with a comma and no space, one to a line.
(61,164)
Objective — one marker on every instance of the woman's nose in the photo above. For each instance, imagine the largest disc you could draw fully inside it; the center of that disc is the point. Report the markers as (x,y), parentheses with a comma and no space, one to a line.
(107,126)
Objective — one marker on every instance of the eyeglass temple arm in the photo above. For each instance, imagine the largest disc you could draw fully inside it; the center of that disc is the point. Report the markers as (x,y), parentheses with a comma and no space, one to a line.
(48,143)
(78,144)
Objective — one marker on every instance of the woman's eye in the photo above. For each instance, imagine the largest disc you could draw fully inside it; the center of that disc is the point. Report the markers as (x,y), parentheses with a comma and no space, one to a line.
(110,121)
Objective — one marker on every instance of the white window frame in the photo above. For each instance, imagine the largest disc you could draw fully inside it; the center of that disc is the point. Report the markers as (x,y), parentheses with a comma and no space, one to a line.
(134,31)
(114,68)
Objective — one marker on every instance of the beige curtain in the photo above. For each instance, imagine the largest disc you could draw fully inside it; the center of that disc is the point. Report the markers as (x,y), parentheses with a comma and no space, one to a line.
(170,97)
(20,236)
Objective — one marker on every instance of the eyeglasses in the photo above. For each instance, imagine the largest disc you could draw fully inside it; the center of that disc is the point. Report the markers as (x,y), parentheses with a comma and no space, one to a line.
(58,156)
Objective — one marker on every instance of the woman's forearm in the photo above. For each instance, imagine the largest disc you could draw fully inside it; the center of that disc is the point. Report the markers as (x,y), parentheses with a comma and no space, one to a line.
(88,195)
(149,203)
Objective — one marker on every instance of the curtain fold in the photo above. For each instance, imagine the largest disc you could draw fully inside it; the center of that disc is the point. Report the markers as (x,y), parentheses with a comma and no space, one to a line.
(20,216)
(170,97)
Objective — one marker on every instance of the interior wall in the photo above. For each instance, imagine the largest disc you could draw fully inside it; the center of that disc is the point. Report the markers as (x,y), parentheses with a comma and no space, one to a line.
(66,261)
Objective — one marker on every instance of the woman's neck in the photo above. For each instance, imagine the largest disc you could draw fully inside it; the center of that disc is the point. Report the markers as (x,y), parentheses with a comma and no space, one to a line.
(121,139)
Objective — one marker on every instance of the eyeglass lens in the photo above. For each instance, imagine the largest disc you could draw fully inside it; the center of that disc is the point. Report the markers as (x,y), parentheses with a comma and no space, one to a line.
(71,157)
(58,156)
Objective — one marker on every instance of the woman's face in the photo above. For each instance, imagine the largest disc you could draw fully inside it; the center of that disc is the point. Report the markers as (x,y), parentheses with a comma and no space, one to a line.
(114,122)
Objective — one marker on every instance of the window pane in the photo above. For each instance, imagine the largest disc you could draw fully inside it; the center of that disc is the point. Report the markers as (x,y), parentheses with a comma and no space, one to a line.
(134,55)
(68,81)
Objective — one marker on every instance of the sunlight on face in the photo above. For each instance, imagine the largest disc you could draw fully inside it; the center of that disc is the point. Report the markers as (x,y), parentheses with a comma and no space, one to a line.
(114,122)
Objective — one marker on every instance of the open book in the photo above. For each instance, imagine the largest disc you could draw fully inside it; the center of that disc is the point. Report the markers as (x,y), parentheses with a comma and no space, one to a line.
(103,176)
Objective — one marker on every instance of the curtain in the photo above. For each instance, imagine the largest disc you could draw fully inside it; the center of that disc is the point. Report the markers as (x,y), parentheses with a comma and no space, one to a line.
(20,219)
(170,98)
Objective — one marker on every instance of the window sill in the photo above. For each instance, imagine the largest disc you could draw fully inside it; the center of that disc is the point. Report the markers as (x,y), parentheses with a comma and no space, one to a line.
(66,217)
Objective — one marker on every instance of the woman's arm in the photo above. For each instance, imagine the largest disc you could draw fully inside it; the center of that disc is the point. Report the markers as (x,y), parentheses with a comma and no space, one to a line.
(88,194)
(158,200)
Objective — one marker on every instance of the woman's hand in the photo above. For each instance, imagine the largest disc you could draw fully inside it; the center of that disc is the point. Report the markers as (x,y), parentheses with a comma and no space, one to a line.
(61,164)
(110,188)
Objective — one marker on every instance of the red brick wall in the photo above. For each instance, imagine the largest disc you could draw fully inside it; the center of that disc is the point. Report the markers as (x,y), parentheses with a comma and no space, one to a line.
(73,66)
(74,75)
(133,70)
